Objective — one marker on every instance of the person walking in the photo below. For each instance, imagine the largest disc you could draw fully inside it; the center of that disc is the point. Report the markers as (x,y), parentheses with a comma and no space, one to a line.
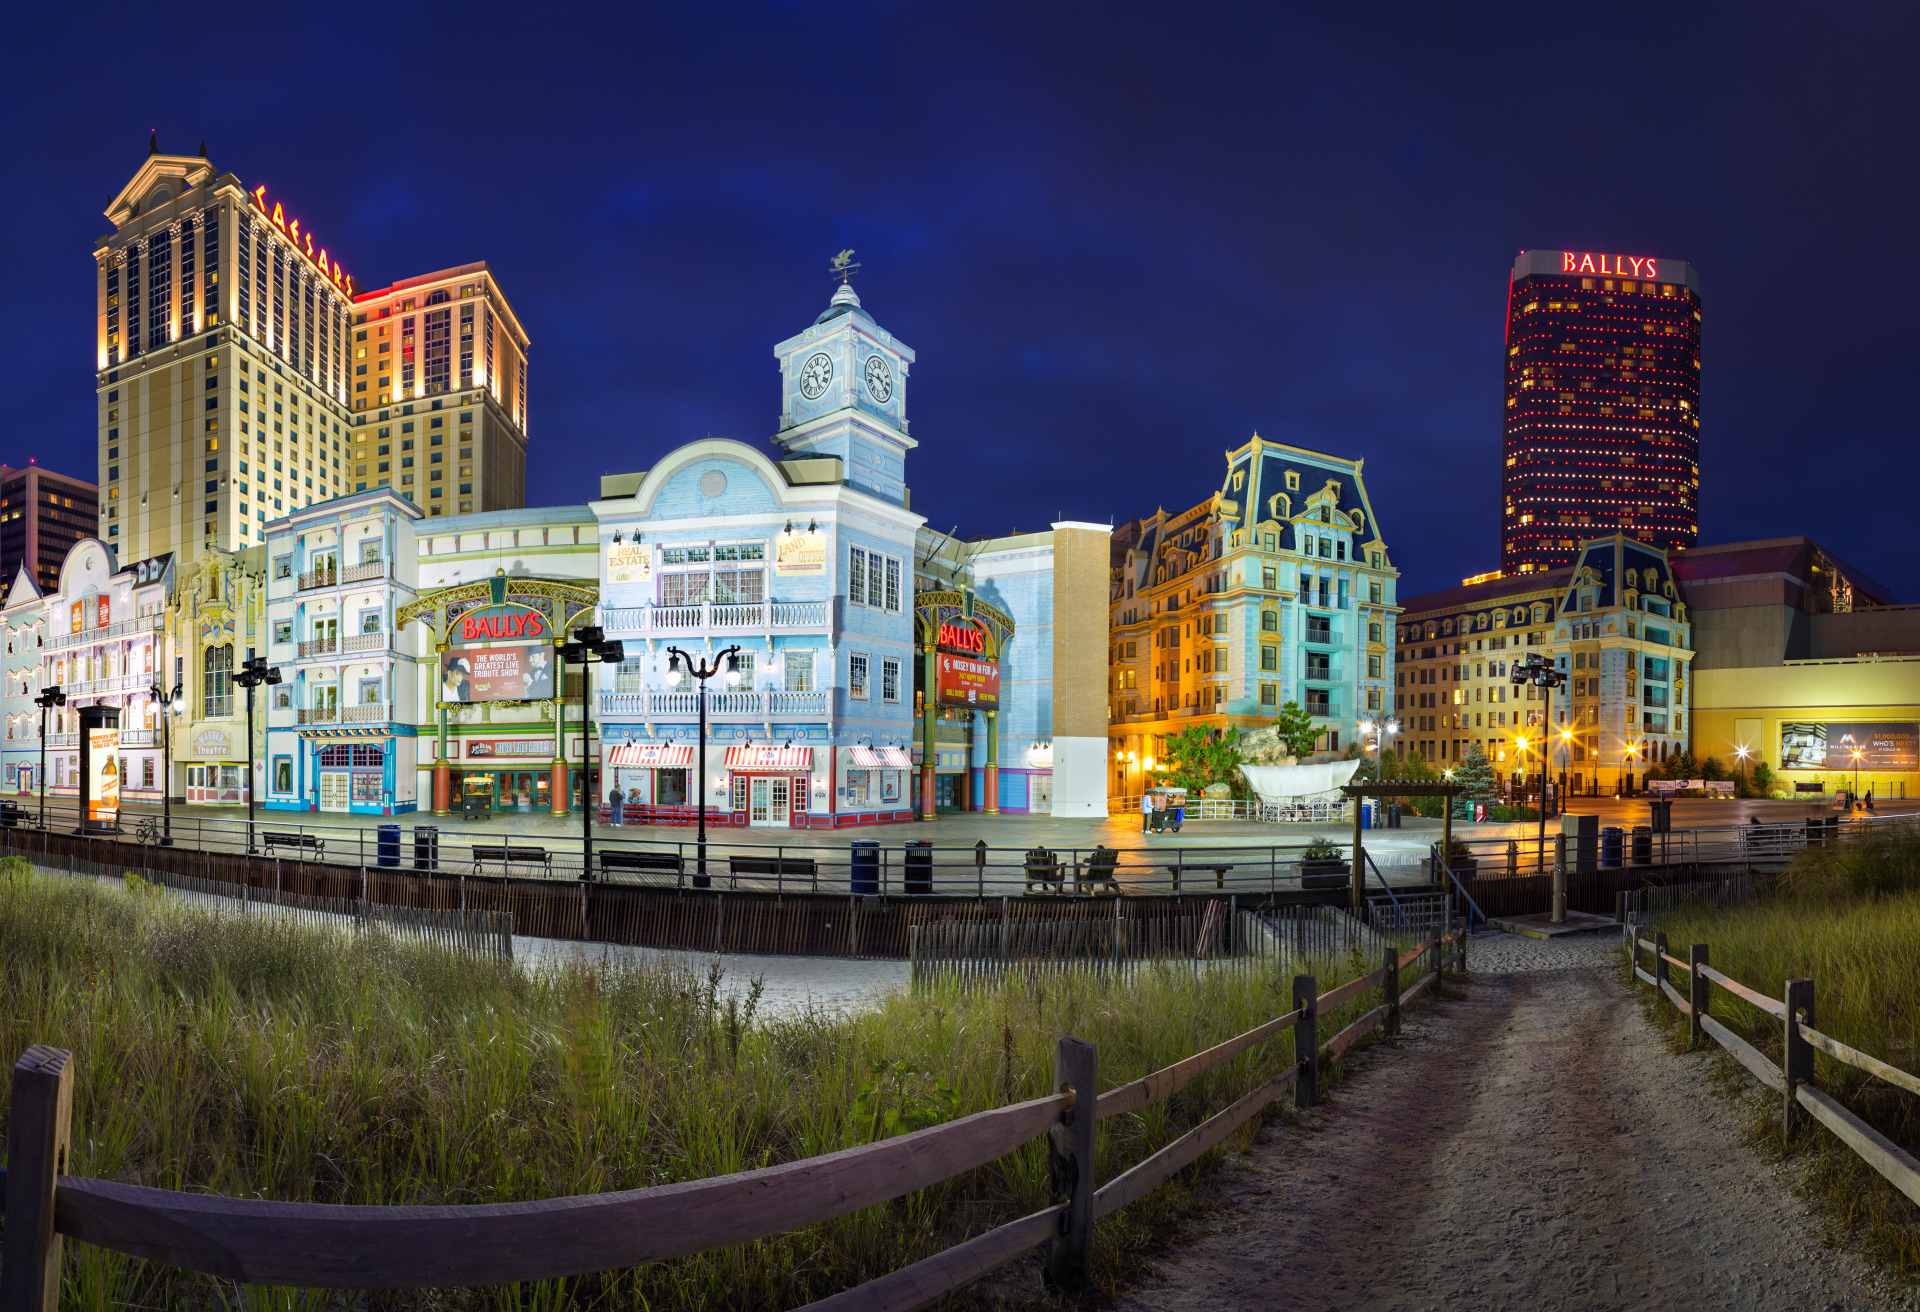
(613,804)
(1146,809)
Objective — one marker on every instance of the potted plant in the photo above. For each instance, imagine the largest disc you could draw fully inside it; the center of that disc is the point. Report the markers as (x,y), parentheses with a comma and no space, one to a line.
(1460,860)
(1322,866)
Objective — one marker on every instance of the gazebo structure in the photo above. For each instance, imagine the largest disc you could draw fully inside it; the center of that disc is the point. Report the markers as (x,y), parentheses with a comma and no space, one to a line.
(1395,789)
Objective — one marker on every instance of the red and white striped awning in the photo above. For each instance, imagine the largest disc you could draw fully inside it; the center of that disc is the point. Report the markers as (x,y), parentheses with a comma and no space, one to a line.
(651,756)
(759,756)
(880,758)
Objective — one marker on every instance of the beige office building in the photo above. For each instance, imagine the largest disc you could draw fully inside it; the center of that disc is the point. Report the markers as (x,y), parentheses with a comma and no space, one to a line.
(439,392)
(240,375)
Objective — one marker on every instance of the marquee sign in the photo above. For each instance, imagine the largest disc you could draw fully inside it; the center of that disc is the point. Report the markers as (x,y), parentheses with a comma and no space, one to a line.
(500,653)
(1617,266)
(962,636)
(963,681)
(303,241)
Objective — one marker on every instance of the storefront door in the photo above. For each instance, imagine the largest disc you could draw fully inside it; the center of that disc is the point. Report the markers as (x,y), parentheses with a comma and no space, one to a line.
(335,789)
(1040,794)
(770,803)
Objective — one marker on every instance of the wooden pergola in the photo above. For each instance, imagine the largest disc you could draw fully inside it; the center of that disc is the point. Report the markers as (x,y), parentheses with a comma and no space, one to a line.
(1390,789)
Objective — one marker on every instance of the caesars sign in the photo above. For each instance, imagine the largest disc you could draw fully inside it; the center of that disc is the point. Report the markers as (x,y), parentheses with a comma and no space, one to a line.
(962,674)
(498,654)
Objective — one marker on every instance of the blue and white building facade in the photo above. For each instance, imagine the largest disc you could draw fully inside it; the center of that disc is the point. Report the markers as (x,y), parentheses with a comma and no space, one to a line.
(24,618)
(341,725)
(802,559)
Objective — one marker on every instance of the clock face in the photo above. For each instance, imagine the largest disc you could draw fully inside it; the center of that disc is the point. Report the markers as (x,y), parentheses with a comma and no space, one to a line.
(879,380)
(815,375)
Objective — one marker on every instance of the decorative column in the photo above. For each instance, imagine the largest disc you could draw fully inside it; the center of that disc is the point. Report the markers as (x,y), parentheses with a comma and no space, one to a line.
(929,707)
(992,798)
(558,794)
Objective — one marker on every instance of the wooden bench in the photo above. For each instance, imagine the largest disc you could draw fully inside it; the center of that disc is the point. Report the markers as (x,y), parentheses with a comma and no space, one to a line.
(772,867)
(1219,868)
(507,856)
(273,838)
(651,863)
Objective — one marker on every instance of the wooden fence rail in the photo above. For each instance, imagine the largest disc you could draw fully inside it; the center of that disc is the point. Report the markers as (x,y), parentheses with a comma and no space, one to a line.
(332,1246)
(1793,1077)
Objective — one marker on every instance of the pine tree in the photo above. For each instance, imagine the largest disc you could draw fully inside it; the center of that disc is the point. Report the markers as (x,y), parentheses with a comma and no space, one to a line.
(1475,776)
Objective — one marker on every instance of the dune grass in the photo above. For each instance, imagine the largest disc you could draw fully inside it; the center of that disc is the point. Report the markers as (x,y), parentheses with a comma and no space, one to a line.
(251,1057)
(1848,918)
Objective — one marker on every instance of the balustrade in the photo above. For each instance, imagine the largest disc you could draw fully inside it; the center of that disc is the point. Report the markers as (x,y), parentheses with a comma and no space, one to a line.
(715,617)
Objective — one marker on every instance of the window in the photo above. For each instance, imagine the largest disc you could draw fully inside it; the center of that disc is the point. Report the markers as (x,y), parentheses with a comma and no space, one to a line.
(873,579)
(856,674)
(283,774)
(798,665)
(1270,621)
(216,683)
(283,630)
(890,680)
(1269,658)
(283,567)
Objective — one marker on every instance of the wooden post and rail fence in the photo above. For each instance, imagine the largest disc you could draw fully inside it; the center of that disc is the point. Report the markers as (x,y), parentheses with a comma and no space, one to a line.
(1793,1078)
(335,1246)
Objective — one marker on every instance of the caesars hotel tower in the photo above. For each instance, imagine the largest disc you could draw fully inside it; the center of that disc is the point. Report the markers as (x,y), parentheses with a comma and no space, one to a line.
(242,374)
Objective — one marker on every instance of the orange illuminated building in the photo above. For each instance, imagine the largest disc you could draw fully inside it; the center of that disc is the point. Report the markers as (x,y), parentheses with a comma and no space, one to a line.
(1602,405)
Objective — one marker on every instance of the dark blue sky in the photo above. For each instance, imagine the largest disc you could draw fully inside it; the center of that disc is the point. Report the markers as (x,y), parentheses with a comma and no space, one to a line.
(1120,239)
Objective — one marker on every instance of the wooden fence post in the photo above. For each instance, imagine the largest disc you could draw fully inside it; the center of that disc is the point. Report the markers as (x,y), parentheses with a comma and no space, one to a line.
(1390,981)
(1699,988)
(1796,1058)
(1659,962)
(1075,1066)
(38,1132)
(1306,1041)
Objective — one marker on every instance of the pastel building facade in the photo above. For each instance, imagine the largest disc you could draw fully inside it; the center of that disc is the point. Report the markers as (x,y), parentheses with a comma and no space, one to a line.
(341,728)
(216,621)
(1279,588)
(23,617)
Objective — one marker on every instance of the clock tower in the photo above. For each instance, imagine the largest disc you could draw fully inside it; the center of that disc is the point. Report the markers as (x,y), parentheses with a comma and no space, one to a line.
(844,393)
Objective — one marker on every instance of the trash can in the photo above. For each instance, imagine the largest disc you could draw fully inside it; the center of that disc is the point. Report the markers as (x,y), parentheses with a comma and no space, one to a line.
(1366,815)
(426,847)
(865,876)
(919,879)
(1662,818)
(388,845)
(1642,845)
(1613,845)
(1394,812)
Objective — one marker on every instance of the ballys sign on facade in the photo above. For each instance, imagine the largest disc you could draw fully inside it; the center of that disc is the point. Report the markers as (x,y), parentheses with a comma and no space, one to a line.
(494,623)
(302,241)
(1615,266)
(955,636)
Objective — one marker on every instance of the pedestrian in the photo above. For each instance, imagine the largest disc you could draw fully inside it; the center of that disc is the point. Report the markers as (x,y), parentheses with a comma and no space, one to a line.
(613,807)
(1869,801)
(1146,809)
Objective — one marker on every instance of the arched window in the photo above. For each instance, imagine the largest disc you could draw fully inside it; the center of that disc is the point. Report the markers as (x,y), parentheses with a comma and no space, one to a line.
(216,682)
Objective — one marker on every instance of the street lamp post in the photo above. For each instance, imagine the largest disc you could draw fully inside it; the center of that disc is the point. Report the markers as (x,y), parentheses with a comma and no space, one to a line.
(684,665)
(1377,736)
(1566,760)
(1740,755)
(589,644)
(49,698)
(169,707)
(254,671)
(1545,676)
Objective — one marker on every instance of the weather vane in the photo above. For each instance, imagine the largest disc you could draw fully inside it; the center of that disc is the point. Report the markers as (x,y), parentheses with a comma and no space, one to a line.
(843,266)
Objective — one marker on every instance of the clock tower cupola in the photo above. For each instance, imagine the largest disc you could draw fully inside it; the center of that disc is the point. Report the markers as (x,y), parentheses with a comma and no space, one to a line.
(844,393)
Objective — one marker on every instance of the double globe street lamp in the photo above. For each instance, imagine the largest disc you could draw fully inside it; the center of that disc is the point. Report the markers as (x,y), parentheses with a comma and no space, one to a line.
(590,643)
(1546,676)
(254,671)
(682,666)
(49,697)
(169,704)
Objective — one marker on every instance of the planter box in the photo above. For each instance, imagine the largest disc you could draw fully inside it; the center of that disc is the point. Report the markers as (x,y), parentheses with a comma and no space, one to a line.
(1325,874)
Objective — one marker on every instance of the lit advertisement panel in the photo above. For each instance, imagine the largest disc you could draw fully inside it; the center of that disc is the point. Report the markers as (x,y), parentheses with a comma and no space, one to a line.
(498,654)
(1820,745)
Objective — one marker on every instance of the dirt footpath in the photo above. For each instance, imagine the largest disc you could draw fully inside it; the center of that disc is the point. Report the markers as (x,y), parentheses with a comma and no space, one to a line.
(1529,1144)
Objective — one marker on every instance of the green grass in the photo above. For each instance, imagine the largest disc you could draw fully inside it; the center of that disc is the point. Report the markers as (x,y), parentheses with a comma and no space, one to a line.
(1848,918)
(251,1057)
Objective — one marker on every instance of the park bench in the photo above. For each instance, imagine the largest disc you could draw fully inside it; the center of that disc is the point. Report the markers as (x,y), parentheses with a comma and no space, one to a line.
(273,838)
(1219,868)
(646,863)
(1095,874)
(1043,871)
(772,867)
(506,856)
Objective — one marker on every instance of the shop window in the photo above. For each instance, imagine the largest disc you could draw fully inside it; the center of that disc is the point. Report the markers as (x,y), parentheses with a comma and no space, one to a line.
(282,774)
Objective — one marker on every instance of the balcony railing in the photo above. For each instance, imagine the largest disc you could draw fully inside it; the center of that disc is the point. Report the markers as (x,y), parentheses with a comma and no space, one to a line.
(716,617)
(365,642)
(369,713)
(139,737)
(319,578)
(138,624)
(319,646)
(117,683)
(371,569)
(722,704)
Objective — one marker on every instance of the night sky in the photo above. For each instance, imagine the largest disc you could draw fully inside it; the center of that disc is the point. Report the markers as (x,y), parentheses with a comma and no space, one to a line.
(1119,243)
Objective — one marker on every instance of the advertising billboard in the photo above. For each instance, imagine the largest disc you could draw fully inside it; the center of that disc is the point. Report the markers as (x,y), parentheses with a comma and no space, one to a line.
(99,767)
(498,654)
(964,681)
(1820,745)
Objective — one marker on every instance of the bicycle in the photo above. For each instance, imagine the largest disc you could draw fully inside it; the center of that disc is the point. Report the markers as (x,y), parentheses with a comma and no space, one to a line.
(147,832)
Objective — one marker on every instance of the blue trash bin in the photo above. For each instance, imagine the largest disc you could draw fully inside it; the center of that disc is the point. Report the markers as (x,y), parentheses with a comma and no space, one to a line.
(1366,815)
(388,846)
(866,866)
(1613,846)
